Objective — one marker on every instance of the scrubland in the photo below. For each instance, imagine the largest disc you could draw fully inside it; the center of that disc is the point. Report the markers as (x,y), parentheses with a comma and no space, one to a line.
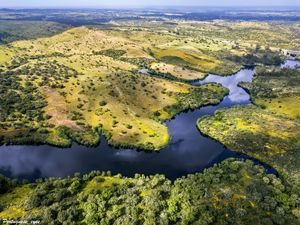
(268,130)
(84,81)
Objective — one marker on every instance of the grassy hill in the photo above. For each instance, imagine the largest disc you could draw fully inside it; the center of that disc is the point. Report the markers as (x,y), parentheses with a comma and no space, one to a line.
(84,82)
(80,88)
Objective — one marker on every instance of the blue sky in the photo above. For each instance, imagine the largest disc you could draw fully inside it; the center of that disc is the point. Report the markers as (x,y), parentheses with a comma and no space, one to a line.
(141,3)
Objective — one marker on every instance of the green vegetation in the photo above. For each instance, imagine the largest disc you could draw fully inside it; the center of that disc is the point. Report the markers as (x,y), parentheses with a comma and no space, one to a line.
(212,47)
(76,92)
(270,131)
(259,133)
(60,84)
(209,94)
(20,30)
(276,90)
(85,81)
(233,192)
(111,53)
(20,110)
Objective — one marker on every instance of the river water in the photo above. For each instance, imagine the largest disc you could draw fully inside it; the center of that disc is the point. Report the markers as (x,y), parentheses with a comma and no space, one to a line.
(188,151)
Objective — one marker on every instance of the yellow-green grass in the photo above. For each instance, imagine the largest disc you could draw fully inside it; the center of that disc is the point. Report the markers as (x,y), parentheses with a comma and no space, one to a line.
(130,110)
(108,93)
(99,183)
(198,53)
(269,137)
(124,109)
(127,118)
(282,105)
(6,54)
(238,37)
(276,91)
(273,125)
(13,202)
(183,57)
(176,71)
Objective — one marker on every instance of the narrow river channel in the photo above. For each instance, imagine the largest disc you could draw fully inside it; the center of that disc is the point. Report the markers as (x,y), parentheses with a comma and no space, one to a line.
(188,151)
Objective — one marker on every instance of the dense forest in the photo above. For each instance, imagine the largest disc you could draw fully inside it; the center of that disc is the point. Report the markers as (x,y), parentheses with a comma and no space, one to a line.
(232,192)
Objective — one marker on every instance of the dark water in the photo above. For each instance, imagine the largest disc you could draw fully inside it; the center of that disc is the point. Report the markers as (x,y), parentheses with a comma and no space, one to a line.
(188,151)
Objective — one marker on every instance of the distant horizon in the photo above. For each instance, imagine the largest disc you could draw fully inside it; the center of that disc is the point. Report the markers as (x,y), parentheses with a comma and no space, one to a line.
(146,3)
(263,7)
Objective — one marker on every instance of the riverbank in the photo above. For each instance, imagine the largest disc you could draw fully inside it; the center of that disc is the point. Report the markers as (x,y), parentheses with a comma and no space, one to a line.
(79,199)
(268,130)
(187,149)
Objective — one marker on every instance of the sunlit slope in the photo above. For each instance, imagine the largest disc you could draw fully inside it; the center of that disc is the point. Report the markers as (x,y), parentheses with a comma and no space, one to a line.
(85,81)
(277,91)
(269,137)
(82,83)
(219,47)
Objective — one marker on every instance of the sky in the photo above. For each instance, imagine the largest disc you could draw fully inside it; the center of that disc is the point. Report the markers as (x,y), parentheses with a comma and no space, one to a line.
(144,3)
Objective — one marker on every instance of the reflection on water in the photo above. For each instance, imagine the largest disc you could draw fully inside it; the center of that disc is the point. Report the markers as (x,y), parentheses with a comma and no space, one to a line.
(188,151)
(292,63)
(237,95)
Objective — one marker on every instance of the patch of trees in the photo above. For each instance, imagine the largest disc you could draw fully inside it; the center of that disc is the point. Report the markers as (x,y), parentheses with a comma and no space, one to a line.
(86,135)
(20,102)
(196,97)
(274,83)
(16,30)
(258,56)
(113,53)
(52,73)
(6,184)
(232,192)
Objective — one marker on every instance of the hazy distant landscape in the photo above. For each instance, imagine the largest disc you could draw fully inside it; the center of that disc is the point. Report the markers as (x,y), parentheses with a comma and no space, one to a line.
(151,115)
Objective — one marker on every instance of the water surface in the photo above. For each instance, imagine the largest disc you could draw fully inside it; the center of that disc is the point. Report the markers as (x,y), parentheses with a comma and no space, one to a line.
(188,151)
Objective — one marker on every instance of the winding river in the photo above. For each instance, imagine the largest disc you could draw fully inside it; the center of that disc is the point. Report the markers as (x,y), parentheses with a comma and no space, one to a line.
(188,151)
